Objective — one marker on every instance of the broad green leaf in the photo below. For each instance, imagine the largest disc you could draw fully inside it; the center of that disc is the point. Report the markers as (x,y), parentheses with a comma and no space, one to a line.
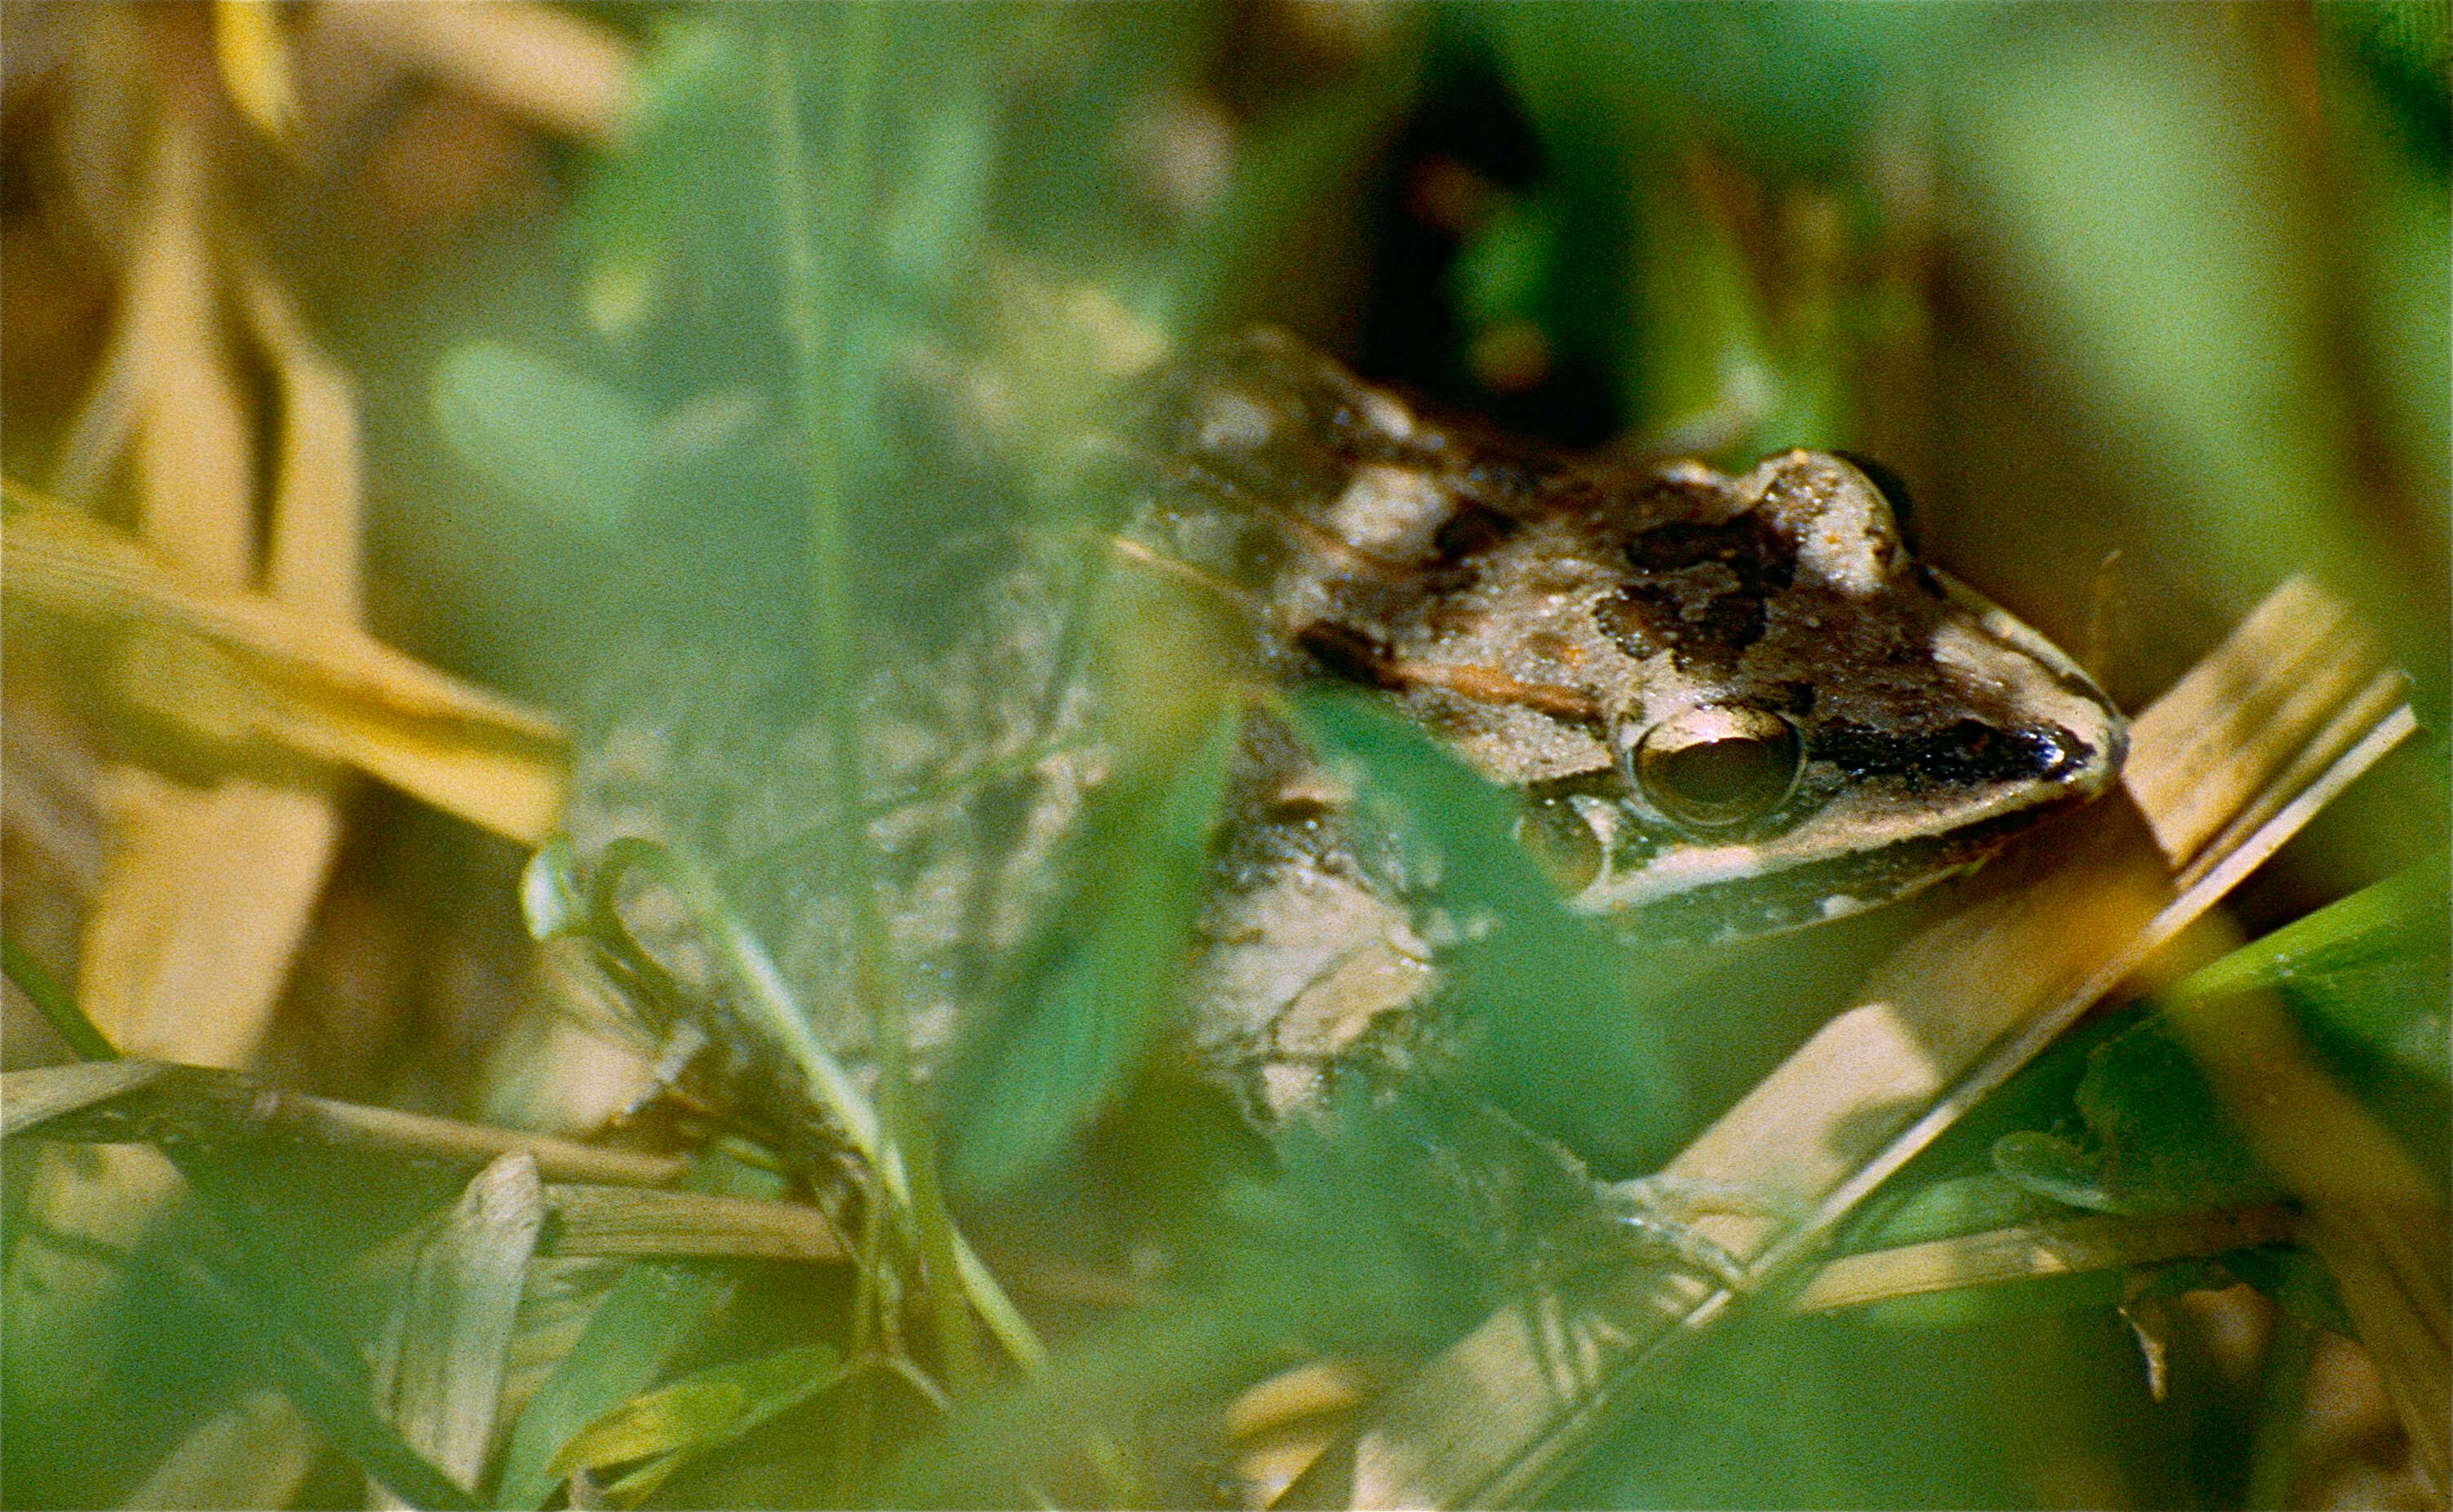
(1944,1209)
(701,1410)
(1564,1019)
(2365,982)
(2087,146)
(2365,977)
(2366,974)
(567,444)
(649,1312)
(1796,86)
(1104,994)
(2156,1140)
(695,86)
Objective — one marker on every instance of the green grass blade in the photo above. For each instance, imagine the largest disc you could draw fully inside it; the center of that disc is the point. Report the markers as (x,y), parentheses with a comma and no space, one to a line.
(2406,913)
(54,1003)
(1106,994)
(646,1316)
(334,1398)
(821,230)
(1567,1021)
(703,1410)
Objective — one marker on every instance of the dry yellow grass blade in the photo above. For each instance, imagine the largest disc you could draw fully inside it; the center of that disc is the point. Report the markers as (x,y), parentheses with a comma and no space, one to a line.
(202,905)
(633,1221)
(207,891)
(2371,1212)
(312,561)
(192,433)
(254,61)
(2040,937)
(237,665)
(559,70)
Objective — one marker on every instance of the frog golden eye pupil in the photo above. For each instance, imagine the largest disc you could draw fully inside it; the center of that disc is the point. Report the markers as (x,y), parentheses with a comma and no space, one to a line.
(1717,766)
(1723,774)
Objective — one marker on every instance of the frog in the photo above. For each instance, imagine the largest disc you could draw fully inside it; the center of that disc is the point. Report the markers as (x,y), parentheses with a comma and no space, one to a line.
(1734,705)
(1727,705)
(1730,705)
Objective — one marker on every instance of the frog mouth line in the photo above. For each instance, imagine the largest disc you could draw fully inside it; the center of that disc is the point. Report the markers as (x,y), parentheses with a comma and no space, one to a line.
(1768,901)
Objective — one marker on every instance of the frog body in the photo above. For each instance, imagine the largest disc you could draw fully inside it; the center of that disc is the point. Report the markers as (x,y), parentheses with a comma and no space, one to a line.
(1730,704)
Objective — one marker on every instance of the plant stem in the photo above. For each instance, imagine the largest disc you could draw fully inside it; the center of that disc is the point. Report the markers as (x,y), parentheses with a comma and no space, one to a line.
(830,1085)
(820,245)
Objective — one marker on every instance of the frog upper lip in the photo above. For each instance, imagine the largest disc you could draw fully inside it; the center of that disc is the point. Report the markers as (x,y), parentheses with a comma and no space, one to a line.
(1872,817)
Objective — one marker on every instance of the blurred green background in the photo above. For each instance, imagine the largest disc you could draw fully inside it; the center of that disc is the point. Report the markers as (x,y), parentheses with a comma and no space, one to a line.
(2145,306)
(2089,279)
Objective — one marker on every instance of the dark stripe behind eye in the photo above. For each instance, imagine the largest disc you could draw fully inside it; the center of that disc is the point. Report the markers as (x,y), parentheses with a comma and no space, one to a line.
(1964,752)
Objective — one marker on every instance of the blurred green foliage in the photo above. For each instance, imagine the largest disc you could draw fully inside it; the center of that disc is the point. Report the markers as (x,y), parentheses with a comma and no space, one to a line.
(2170,281)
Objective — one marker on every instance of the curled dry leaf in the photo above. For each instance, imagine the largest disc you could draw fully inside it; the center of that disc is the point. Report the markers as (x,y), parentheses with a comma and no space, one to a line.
(318,689)
(439,1374)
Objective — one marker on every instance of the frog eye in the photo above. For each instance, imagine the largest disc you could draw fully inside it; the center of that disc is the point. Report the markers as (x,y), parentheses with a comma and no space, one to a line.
(1716,765)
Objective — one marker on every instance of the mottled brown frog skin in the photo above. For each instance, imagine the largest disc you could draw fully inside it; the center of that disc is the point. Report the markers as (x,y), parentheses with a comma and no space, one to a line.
(1734,704)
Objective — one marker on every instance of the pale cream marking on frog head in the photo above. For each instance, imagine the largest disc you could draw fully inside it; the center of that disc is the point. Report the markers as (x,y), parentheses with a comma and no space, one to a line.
(1389,510)
(1673,871)
(1387,416)
(1848,539)
(1232,422)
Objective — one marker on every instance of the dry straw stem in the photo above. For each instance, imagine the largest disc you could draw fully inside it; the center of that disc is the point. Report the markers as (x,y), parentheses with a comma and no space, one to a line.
(2031,1250)
(2042,936)
(636,1223)
(2369,1210)
(121,1101)
(439,1370)
(604,1202)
